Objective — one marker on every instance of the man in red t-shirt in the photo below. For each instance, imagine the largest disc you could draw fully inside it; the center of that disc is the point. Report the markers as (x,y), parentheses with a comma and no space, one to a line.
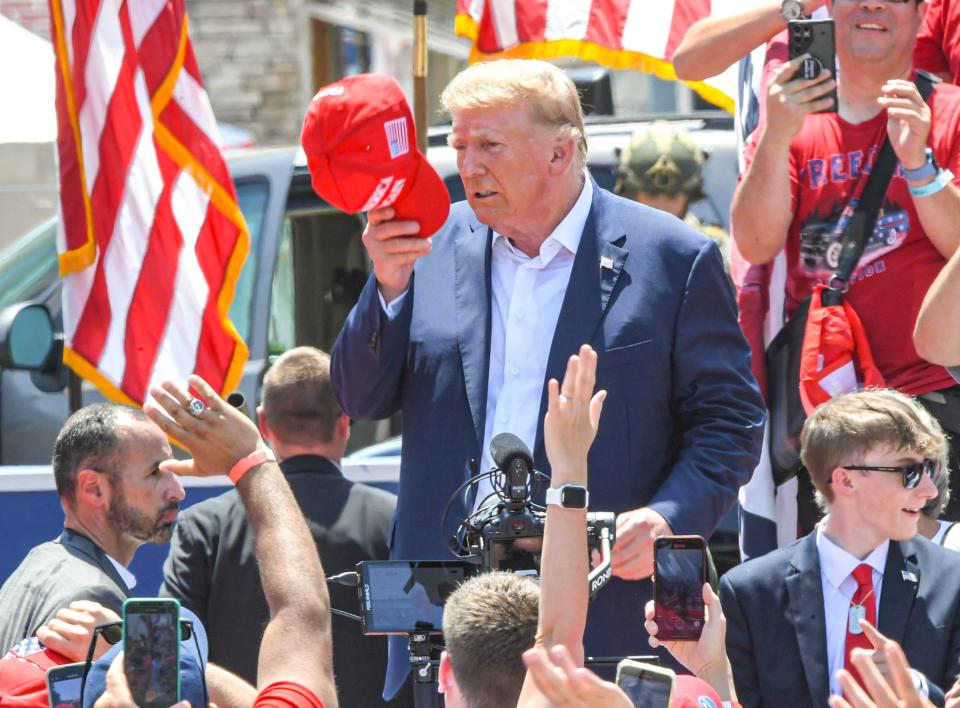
(806,166)
(938,44)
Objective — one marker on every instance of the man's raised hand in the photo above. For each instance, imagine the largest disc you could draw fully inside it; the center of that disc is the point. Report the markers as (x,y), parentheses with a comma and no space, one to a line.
(217,438)
(573,413)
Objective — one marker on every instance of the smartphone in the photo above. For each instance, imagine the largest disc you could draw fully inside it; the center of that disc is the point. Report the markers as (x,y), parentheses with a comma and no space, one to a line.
(151,651)
(403,597)
(816,38)
(647,685)
(680,570)
(63,685)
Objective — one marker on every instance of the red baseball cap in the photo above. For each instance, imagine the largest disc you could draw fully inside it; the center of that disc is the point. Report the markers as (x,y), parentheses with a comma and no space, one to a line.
(693,692)
(360,143)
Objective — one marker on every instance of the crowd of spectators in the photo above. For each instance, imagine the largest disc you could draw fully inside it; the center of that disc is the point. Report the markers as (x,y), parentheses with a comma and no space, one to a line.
(604,334)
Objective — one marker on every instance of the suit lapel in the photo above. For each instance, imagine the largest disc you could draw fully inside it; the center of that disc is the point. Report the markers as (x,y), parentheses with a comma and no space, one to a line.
(806,614)
(78,544)
(472,284)
(901,576)
(596,269)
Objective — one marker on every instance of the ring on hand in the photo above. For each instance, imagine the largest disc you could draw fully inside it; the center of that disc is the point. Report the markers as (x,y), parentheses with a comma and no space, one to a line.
(562,398)
(195,407)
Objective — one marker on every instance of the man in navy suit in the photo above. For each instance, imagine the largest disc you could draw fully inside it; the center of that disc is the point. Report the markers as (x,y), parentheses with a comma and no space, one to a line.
(792,615)
(461,331)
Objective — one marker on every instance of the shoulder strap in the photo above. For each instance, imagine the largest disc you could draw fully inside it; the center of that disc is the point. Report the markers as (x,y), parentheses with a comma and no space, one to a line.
(865,212)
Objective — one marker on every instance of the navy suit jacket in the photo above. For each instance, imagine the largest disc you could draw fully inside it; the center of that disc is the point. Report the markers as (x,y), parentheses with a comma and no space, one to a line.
(776,631)
(682,424)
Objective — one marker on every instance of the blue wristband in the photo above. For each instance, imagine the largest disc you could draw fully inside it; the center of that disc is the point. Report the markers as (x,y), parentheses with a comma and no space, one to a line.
(942,180)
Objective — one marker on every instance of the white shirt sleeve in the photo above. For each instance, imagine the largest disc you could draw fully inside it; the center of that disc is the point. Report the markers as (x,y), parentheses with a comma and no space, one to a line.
(392,308)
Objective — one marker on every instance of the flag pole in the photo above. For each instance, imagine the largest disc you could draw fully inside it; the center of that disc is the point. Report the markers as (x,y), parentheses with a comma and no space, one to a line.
(420,72)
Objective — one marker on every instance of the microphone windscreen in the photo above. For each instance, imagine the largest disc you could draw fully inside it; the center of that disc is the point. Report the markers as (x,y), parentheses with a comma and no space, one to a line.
(506,447)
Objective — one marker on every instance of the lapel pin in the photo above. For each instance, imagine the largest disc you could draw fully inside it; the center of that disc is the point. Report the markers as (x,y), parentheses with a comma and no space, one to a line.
(606,262)
(908,576)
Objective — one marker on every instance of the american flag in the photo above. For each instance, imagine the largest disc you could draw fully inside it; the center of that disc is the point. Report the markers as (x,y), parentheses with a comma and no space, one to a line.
(620,34)
(151,239)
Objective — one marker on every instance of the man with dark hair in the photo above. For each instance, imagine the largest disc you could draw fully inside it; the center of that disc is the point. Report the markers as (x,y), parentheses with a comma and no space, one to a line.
(212,553)
(106,463)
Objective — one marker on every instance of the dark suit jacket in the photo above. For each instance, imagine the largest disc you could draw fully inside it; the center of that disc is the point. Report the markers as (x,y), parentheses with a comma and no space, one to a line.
(776,634)
(53,575)
(682,424)
(212,570)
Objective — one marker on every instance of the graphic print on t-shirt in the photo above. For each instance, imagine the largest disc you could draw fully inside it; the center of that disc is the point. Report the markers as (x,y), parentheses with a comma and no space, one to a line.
(821,238)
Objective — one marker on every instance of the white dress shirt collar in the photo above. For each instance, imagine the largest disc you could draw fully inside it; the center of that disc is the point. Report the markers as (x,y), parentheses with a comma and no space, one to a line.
(129,579)
(837,564)
(567,233)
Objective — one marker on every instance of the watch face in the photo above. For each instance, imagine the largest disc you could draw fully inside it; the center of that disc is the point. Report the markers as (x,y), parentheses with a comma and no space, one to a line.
(574,497)
(791,9)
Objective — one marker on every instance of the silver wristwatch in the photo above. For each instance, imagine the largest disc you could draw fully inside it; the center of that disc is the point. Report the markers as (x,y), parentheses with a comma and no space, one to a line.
(791,9)
(569,496)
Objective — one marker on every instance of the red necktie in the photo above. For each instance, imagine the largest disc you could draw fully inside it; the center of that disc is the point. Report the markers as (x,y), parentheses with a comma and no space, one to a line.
(864,596)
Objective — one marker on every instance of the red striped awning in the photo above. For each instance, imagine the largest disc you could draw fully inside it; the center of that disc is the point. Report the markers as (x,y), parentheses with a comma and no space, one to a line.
(151,238)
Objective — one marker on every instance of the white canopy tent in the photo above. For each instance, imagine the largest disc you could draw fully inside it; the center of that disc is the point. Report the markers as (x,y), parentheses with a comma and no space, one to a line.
(28,130)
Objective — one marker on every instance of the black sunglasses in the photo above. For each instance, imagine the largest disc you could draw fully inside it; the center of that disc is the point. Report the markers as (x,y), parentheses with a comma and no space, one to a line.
(912,473)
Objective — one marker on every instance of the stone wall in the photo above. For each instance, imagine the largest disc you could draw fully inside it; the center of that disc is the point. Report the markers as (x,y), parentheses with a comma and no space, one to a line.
(250,57)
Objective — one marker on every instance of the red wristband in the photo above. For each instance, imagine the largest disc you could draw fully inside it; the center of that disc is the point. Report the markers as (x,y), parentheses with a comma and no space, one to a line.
(247,463)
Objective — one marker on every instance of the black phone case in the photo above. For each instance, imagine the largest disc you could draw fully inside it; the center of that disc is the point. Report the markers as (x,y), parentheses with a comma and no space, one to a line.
(665,631)
(816,38)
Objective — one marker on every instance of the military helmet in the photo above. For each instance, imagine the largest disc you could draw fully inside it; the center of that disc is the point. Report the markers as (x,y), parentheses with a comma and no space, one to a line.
(661,160)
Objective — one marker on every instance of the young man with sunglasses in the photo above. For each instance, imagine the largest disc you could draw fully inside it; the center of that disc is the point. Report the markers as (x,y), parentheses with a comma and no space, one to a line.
(792,615)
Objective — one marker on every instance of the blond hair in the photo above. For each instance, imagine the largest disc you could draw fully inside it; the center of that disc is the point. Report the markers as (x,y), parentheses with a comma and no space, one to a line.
(488,622)
(298,400)
(548,92)
(846,428)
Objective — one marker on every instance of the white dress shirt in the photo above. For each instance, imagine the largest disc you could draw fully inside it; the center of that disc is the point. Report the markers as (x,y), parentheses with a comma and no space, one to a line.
(839,586)
(129,578)
(527,294)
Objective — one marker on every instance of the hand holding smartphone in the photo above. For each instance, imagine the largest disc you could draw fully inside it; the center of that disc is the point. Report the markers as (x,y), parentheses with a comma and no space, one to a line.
(680,570)
(647,685)
(814,38)
(63,685)
(151,651)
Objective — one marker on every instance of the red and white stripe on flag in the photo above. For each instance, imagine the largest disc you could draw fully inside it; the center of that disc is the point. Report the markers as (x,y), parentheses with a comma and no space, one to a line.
(151,238)
(620,34)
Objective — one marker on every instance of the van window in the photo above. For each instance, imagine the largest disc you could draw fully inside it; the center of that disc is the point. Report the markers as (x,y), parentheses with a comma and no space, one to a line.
(252,196)
(29,266)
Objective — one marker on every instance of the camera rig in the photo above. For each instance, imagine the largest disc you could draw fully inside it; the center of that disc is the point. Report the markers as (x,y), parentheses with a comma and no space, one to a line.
(505,532)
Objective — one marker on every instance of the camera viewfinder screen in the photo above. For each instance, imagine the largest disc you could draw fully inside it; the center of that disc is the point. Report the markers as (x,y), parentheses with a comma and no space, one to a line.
(65,692)
(645,691)
(150,660)
(402,597)
(679,592)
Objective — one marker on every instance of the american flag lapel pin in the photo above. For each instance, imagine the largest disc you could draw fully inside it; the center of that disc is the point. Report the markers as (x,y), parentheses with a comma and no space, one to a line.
(606,262)
(908,576)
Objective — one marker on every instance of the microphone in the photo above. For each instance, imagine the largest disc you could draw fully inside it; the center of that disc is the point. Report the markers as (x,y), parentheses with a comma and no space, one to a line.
(513,458)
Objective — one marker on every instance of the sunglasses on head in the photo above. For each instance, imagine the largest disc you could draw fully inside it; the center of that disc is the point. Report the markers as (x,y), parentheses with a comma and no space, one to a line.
(912,473)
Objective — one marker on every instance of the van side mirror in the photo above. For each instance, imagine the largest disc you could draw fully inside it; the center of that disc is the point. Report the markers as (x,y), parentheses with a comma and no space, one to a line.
(26,336)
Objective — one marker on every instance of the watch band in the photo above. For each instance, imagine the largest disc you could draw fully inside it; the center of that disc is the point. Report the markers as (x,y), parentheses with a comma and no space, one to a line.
(561,496)
(245,464)
(925,171)
(944,178)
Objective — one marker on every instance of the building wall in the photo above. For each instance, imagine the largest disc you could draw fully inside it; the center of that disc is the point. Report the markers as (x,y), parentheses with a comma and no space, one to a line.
(250,54)
(34,15)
